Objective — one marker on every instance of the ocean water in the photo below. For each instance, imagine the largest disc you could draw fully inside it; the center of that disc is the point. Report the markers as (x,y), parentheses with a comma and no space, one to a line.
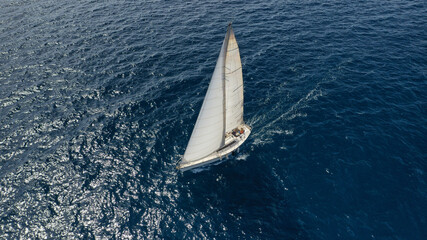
(98,100)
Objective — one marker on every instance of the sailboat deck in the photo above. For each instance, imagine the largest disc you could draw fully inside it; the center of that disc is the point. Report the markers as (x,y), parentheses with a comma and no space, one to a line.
(232,142)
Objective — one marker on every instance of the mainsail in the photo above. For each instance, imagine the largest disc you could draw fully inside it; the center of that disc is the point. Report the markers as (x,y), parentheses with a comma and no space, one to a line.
(222,108)
(234,84)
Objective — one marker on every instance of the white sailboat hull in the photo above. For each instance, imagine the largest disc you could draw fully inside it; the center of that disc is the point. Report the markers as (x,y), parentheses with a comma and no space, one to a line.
(231,144)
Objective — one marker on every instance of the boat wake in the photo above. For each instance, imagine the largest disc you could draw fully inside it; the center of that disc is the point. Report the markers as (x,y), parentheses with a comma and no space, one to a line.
(274,127)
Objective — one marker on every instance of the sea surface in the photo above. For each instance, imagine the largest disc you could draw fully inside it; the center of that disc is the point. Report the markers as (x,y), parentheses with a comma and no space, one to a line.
(98,100)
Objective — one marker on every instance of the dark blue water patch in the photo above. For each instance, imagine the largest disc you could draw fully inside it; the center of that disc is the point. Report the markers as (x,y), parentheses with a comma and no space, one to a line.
(98,101)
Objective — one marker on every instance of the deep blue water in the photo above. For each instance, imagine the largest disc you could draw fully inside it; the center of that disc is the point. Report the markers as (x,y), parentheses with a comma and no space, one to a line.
(98,100)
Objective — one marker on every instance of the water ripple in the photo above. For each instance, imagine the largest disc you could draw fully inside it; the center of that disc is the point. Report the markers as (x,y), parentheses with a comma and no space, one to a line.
(98,99)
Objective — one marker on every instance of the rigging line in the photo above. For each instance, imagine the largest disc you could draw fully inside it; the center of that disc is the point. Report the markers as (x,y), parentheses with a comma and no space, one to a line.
(237,48)
(234,70)
(238,87)
(240,102)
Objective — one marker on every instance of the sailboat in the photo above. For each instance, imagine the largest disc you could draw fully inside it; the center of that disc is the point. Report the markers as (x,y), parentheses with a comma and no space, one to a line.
(219,129)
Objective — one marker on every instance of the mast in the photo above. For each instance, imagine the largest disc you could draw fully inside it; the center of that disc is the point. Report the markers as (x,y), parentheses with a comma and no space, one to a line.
(227,37)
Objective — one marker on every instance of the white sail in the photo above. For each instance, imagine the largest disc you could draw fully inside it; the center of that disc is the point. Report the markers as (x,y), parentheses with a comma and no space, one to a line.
(208,133)
(233,84)
(221,112)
